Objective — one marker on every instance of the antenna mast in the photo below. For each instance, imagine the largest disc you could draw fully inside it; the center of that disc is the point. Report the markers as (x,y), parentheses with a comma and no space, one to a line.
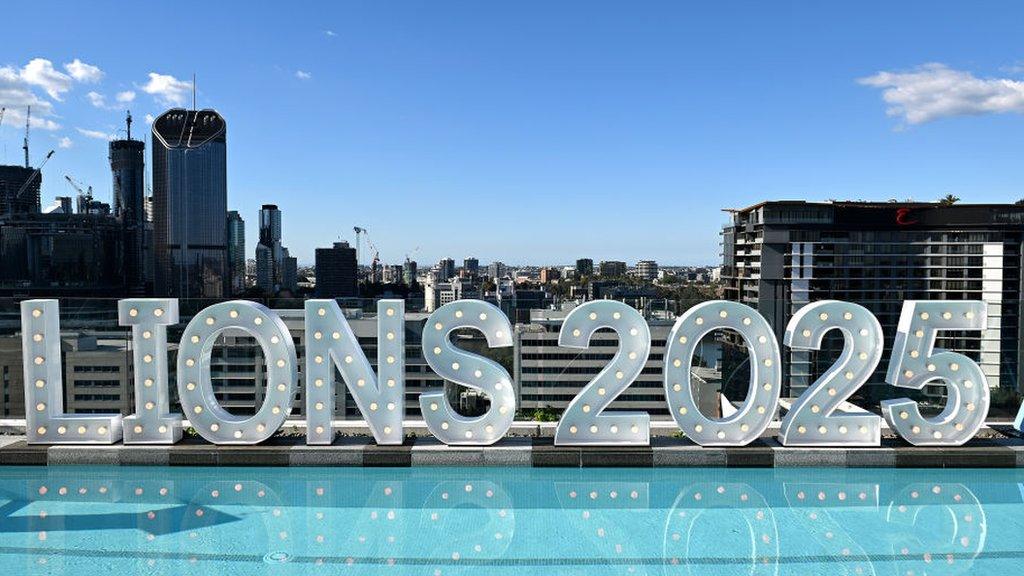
(24,146)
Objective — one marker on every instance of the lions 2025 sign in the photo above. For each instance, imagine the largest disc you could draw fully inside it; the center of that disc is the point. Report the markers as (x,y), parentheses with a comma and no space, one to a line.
(813,419)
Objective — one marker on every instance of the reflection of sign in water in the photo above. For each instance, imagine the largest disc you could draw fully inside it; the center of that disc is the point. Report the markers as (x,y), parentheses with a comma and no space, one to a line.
(913,364)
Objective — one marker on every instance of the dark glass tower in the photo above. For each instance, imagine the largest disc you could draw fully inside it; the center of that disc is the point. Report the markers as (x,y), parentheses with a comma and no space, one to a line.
(128,166)
(236,251)
(190,204)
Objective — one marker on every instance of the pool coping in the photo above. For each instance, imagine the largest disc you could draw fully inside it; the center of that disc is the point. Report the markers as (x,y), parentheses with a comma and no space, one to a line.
(1004,449)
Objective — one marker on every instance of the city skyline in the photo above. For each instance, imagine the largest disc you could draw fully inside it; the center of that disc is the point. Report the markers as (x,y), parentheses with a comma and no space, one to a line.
(457,135)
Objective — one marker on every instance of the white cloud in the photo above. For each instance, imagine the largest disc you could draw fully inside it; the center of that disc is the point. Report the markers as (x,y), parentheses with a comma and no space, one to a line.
(303,75)
(83,72)
(167,89)
(330,33)
(96,99)
(99,135)
(126,96)
(934,91)
(149,118)
(40,72)
(65,142)
(16,95)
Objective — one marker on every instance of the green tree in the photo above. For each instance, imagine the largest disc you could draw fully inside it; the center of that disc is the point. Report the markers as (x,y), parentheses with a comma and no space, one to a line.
(949,200)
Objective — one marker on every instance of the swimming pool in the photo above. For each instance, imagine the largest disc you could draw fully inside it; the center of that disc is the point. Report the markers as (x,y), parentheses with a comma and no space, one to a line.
(493,521)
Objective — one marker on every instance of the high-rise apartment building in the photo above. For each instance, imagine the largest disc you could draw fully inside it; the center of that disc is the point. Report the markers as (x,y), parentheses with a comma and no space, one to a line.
(190,204)
(780,256)
(336,272)
(647,270)
(470,267)
(236,251)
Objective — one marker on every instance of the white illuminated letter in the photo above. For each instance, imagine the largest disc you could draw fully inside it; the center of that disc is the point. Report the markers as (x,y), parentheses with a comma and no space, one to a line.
(149,318)
(811,420)
(757,411)
(583,422)
(330,342)
(195,388)
(470,370)
(45,420)
(915,363)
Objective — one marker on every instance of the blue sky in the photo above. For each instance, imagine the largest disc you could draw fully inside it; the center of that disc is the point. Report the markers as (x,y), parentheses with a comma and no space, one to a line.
(536,132)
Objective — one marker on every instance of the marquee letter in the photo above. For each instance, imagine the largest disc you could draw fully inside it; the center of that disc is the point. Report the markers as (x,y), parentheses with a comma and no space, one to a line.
(757,411)
(583,423)
(330,342)
(915,363)
(149,318)
(468,370)
(45,420)
(195,388)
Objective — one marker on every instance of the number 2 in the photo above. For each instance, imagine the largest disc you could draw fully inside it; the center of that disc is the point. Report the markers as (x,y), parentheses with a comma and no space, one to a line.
(582,422)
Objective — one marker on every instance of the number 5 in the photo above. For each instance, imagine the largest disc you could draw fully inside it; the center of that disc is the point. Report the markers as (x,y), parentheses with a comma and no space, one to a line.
(915,363)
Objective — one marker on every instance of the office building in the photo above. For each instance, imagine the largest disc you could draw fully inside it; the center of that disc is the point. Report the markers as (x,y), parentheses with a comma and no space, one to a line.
(446,269)
(190,204)
(60,255)
(584,267)
(336,272)
(236,251)
(470,267)
(497,270)
(647,270)
(780,256)
(612,268)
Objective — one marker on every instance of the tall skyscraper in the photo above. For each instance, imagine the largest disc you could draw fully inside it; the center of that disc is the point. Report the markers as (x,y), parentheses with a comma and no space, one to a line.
(584,267)
(336,275)
(445,269)
(271,255)
(780,256)
(128,167)
(236,251)
(190,195)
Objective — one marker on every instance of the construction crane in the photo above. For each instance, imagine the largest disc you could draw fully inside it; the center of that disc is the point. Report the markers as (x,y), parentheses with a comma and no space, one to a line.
(375,264)
(408,257)
(32,177)
(78,186)
(24,146)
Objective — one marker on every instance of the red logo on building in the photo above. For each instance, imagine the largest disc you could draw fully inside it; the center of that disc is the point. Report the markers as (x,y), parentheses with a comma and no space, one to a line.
(903,217)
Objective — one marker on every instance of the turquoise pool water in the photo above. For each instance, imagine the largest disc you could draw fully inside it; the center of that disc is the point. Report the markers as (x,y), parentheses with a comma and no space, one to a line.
(493,521)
